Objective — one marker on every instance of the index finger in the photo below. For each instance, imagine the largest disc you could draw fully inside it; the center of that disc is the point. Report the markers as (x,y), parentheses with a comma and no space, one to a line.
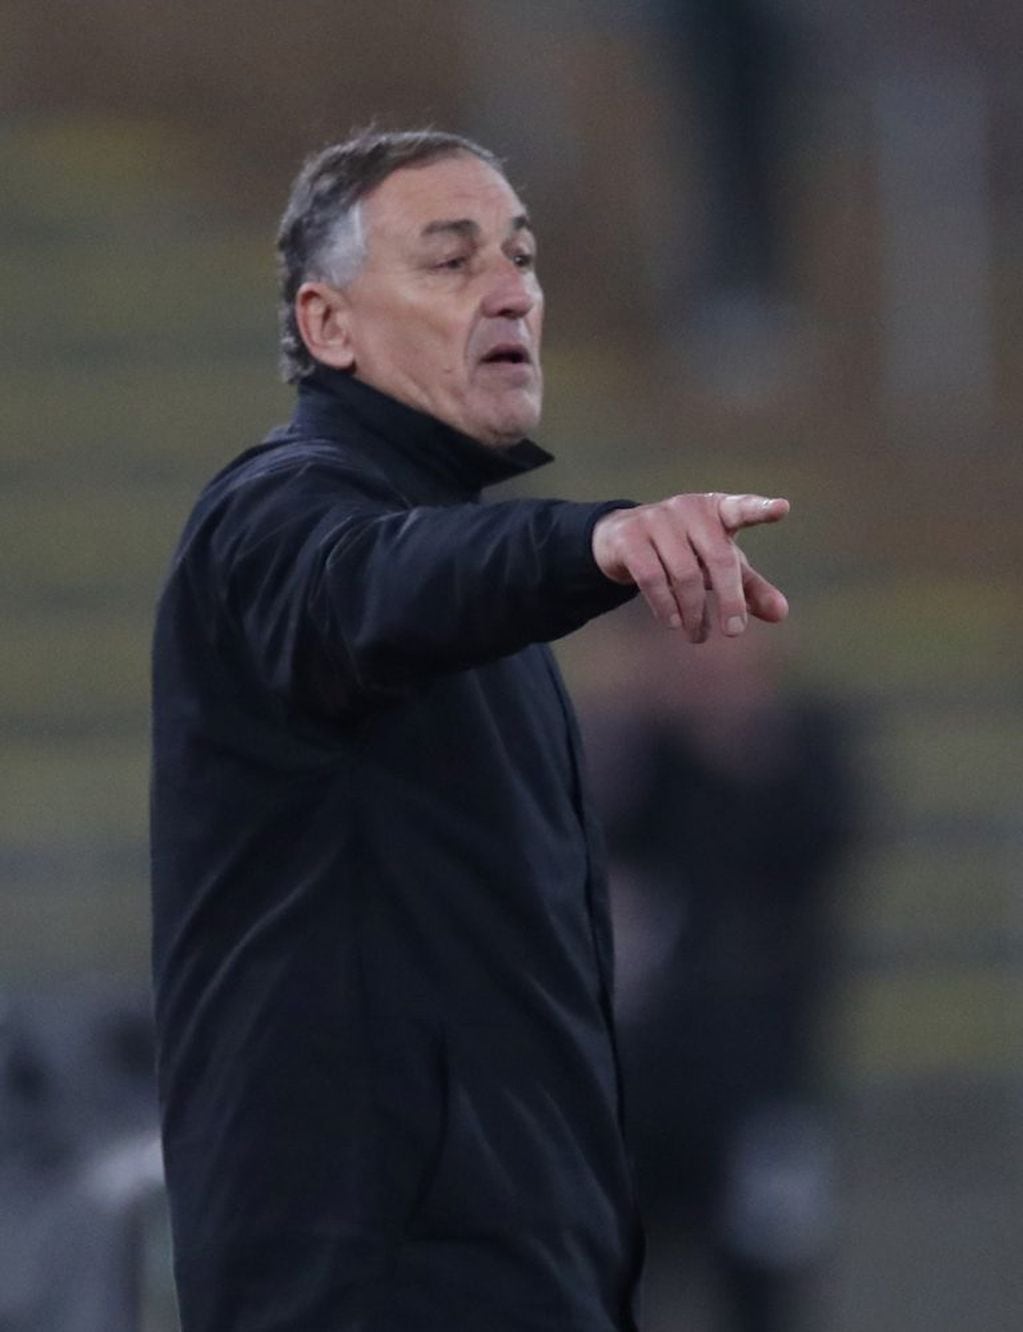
(738,511)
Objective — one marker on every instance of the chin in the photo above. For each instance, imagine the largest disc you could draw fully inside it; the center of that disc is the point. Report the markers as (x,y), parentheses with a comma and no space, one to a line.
(510,423)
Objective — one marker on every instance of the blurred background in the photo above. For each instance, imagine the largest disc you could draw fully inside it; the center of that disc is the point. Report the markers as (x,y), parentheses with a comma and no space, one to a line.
(782,243)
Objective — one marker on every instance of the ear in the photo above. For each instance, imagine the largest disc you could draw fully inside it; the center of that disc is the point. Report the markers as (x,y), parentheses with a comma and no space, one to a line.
(322,314)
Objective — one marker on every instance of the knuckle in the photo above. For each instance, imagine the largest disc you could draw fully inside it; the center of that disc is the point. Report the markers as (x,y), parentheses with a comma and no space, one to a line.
(689,580)
(645,577)
(721,560)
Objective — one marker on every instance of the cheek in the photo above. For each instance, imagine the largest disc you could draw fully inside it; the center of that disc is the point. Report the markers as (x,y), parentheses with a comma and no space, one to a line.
(437,348)
(418,353)
(451,357)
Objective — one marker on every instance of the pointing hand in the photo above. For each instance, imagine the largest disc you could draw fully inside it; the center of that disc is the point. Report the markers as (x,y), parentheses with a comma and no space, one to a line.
(680,550)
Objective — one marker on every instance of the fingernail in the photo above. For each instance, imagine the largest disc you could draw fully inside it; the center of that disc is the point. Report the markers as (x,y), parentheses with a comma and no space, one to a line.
(675,622)
(735,625)
(766,504)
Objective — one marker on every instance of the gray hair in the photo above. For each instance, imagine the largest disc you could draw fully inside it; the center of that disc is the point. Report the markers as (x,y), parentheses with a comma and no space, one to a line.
(321,237)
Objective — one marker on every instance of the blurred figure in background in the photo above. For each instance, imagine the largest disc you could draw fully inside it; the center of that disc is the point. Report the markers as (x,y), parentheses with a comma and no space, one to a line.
(737,69)
(80,1170)
(728,813)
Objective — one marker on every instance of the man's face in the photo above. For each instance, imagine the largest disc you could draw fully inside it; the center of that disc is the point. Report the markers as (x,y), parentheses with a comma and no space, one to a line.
(446,312)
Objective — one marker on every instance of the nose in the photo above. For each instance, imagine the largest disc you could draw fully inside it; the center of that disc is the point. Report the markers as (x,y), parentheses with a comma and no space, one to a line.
(511,291)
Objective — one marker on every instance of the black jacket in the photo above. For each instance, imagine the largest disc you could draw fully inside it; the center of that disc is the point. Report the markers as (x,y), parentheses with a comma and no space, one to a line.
(389,1086)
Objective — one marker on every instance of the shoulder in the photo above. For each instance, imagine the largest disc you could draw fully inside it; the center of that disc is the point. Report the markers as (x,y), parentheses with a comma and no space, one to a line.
(288,459)
(282,491)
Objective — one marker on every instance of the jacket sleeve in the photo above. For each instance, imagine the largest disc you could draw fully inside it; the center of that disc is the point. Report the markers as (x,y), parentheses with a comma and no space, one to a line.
(343,596)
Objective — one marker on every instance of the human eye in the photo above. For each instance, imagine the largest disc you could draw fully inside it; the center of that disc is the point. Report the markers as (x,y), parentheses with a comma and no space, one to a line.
(452,263)
(522,256)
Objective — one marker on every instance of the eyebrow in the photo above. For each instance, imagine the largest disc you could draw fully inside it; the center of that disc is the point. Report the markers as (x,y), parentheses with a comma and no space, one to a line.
(466,227)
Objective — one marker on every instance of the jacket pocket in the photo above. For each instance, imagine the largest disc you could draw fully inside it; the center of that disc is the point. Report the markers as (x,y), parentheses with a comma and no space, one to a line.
(495,1148)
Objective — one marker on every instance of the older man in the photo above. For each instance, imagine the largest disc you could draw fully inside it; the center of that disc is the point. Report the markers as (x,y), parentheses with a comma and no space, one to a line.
(388,1073)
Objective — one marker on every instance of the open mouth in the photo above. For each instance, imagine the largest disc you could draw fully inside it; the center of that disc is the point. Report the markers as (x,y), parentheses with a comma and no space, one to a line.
(507,356)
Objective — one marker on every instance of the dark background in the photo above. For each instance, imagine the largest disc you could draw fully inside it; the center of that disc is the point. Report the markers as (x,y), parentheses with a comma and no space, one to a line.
(870,368)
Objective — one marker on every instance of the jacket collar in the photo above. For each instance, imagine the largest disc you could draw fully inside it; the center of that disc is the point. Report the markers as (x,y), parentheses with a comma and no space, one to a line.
(329,400)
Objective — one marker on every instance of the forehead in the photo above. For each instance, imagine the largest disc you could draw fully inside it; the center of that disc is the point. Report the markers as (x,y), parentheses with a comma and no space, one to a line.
(455,188)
